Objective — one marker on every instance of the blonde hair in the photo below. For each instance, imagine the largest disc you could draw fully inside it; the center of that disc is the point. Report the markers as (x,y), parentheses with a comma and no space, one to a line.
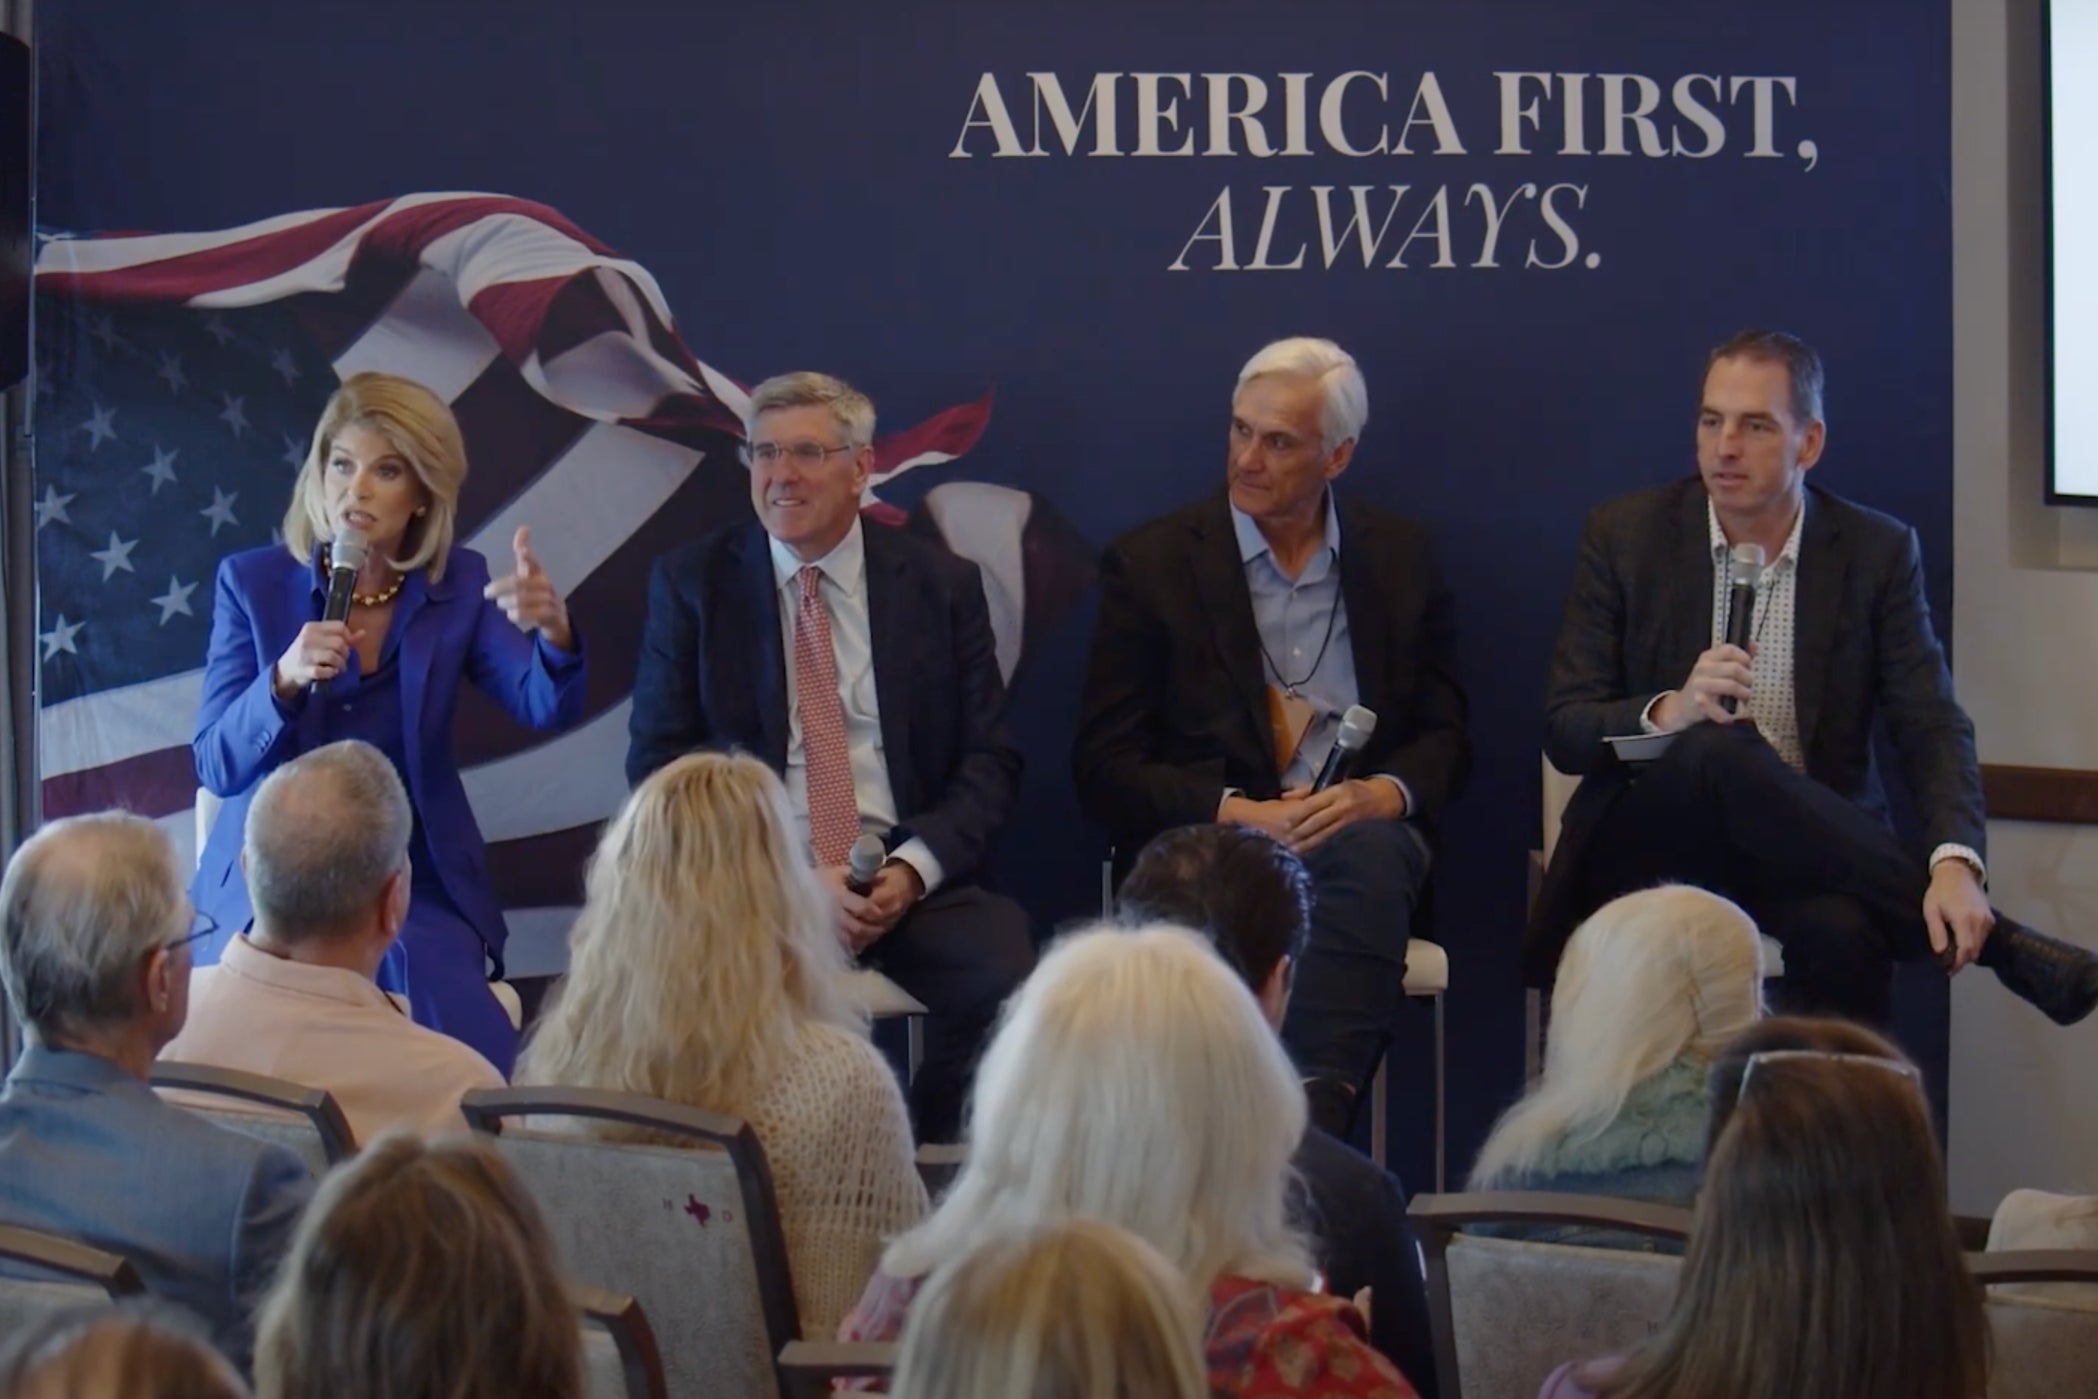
(704,944)
(420,1270)
(138,1349)
(1133,1080)
(416,423)
(1080,1310)
(1652,977)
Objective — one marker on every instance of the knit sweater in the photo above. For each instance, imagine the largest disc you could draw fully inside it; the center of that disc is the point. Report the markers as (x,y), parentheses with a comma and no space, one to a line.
(838,1140)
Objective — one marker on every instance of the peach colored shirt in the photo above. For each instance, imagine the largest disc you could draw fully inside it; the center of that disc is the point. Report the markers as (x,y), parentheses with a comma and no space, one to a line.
(326,1027)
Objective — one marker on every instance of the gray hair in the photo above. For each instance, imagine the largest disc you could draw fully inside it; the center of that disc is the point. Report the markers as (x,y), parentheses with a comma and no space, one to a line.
(323,834)
(84,902)
(1801,364)
(1345,408)
(853,410)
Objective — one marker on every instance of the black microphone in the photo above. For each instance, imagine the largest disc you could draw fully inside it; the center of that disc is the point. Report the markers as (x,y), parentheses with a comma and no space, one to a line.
(1356,726)
(864,864)
(1745,568)
(345,560)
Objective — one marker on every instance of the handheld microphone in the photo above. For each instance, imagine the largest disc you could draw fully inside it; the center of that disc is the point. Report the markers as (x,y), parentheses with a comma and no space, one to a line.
(346,558)
(864,864)
(1742,574)
(1356,726)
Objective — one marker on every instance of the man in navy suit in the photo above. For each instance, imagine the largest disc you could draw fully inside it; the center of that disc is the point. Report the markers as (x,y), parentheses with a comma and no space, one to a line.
(859,662)
(96,933)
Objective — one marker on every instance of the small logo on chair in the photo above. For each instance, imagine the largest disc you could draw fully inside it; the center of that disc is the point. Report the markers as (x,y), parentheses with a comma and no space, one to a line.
(698,1211)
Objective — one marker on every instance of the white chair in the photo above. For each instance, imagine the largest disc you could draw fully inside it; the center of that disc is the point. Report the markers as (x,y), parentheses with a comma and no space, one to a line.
(1427,976)
(883,999)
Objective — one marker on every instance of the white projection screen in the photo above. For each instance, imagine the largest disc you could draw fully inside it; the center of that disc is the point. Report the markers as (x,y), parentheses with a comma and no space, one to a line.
(2072,251)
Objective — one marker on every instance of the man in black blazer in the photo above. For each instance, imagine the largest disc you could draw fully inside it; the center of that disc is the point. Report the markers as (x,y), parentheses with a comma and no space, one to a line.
(859,662)
(1770,792)
(1232,635)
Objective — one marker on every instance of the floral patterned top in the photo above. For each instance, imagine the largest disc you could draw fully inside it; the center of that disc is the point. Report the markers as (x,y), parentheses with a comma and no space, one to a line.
(1262,1341)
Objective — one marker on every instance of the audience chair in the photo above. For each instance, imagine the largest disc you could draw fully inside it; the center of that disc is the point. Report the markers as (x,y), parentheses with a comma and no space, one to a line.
(1506,1313)
(620,1359)
(308,1120)
(1427,977)
(70,1275)
(807,1368)
(691,1231)
(2043,1339)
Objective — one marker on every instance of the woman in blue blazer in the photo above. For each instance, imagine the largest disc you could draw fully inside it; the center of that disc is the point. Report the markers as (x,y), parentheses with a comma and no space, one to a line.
(387,460)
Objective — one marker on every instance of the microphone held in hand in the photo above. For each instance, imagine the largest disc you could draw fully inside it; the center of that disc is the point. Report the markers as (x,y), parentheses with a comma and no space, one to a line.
(1356,726)
(345,560)
(864,864)
(1743,572)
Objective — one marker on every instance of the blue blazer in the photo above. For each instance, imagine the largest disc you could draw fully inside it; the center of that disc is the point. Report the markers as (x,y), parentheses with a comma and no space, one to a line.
(448,632)
(89,1152)
(713,675)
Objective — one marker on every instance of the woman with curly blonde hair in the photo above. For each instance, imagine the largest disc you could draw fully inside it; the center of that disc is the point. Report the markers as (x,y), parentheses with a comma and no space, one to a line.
(705,971)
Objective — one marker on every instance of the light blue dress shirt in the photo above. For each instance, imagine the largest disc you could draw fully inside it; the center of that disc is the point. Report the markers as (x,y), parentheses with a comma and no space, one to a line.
(1292,616)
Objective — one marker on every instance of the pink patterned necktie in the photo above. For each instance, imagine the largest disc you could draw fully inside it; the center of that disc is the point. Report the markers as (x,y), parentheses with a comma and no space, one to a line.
(834,808)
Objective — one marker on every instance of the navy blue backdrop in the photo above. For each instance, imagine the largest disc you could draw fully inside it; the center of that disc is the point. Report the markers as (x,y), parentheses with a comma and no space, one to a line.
(788,173)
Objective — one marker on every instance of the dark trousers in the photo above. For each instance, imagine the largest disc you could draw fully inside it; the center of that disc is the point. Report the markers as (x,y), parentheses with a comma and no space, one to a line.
(961,950)
(1828,880)
(1351,979)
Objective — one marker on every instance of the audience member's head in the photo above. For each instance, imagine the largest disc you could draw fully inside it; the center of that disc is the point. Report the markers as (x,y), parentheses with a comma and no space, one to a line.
(1080,1310)
(94,937)
(1241,888)
(1822,1262)
(704,942)
(421,1271)
(1133,1080)
(1654,977)
(1825,1034)
(132,1350)
(325,849)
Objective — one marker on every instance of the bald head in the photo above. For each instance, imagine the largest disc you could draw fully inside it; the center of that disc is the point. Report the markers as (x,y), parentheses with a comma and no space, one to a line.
(324,834)
(85,902)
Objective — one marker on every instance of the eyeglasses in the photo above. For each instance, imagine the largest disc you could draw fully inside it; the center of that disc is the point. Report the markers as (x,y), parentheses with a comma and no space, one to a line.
(803,454)
(201,925)
(1772,1056)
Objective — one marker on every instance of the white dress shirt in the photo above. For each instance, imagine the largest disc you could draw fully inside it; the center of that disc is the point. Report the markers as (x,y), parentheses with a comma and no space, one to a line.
(844,594)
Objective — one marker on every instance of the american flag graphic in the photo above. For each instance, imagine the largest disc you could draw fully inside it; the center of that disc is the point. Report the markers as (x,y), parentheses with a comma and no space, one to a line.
(180,377)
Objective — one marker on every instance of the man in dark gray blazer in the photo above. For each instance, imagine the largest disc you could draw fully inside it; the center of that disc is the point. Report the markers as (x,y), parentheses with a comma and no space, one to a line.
(1769,791)
(1232,636)
(94,946)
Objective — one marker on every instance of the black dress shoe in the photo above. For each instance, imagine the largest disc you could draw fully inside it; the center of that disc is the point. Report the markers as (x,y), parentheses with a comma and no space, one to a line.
(2059,978)
(1332,1103)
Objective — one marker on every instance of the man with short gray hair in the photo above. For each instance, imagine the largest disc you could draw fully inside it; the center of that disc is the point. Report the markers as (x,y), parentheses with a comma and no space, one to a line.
(858,662)
(1233,635)
(95,937)
(325,850)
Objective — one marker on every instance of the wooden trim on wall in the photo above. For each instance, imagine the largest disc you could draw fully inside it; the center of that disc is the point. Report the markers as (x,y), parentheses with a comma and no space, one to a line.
(2065,795)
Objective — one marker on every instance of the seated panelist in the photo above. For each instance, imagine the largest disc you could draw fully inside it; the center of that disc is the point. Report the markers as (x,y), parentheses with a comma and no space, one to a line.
(387,462)
(858,662)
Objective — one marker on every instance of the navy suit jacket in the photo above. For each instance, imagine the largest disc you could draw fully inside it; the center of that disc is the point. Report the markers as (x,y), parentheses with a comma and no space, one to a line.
(89,1152)
(1356,1210)
(448,633)
(713,675)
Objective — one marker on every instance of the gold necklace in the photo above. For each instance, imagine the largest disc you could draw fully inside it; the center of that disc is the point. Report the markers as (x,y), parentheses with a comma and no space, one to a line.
(378,599)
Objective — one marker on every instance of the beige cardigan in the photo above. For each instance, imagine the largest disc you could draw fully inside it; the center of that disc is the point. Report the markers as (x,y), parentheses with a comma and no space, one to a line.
(838,1140)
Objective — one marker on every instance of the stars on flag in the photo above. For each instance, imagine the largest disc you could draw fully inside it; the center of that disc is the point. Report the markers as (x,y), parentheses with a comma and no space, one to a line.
(116,556)
(174,600)
(294,451)
(100,426)
(220,511)
(282,363)
(53,507)
(215,326)
(171,370)
(235,413)
(104,329)
(161,468)
(60,637)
